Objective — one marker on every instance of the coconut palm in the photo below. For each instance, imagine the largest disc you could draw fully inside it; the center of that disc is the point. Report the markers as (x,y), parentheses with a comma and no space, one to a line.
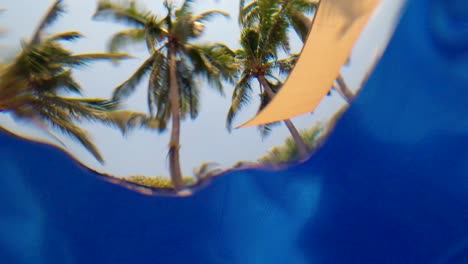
(175,61)
(34,84)
(295,13)
(258,60)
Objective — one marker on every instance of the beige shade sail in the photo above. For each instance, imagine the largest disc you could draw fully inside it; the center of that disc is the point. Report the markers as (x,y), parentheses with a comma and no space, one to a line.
(336,28)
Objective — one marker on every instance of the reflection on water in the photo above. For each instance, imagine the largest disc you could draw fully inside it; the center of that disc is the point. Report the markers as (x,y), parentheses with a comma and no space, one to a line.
(160,123)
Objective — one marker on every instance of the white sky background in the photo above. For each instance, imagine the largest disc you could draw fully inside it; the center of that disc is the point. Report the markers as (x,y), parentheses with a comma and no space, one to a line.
(204,139)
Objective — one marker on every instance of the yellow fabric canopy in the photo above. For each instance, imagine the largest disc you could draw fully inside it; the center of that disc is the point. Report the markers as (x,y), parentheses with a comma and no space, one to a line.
(336,28)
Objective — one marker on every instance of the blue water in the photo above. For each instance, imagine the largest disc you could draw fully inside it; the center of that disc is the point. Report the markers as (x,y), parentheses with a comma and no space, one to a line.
(390,185)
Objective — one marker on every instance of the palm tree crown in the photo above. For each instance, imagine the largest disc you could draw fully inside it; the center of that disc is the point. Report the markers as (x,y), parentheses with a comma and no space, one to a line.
(295,14)
(263,34)
(30,85)
(286,13)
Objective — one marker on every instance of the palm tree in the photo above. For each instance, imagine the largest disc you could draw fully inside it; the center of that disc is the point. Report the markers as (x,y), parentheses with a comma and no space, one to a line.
(30,84)
(288,152)
(295,14)
(258,59)
(174,62)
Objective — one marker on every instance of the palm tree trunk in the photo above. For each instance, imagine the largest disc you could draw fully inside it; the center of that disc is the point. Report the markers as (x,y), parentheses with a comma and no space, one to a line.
(301,145)
(344,90)
(174,145)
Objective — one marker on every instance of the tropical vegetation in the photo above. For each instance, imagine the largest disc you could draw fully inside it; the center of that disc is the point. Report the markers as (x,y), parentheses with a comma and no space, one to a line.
(295,14)
(35,85)
(175,61)
(159,182)
(264,33)
(313,137)
(38,84)
(289,151)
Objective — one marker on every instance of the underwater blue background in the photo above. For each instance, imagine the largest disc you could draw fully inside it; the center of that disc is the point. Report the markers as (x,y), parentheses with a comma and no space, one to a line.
(389,186)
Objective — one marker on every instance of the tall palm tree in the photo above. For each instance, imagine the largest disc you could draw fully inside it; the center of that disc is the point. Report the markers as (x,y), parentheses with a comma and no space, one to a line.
(31,85)
(295,13)
(175,60)
(258,60)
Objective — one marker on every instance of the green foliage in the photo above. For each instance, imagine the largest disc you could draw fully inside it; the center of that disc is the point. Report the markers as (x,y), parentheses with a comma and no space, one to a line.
(263,33)
(177,28)
(289,152)
(289,14)
(313,137)
(175,62)
(30,84)
(207,170)
(157,182)
(257,58)
(126,120)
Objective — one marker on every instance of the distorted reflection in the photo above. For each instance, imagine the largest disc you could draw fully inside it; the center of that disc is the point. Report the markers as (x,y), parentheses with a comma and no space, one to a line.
(161,119)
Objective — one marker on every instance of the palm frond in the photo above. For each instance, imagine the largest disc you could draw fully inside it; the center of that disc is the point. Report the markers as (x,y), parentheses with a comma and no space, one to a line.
(208,15)
(275,33)
(304,6)
(41,70)
(73,131)
(158,84)
(300,23)
(241,96)
(125,37)
(77,108)
(189,91)
(156,81)
(51,16)
(185,8)
(265,130)
(215,63)
(248,14)
(125,12)
(60,82)
(129,86)
(250,41)
(59,118)
(285,65)
(65,36)
(154,34)
(126,120)
(84,59)
(277,16)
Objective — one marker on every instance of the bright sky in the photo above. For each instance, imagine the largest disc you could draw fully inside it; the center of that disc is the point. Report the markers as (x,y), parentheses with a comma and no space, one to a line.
(206,138)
